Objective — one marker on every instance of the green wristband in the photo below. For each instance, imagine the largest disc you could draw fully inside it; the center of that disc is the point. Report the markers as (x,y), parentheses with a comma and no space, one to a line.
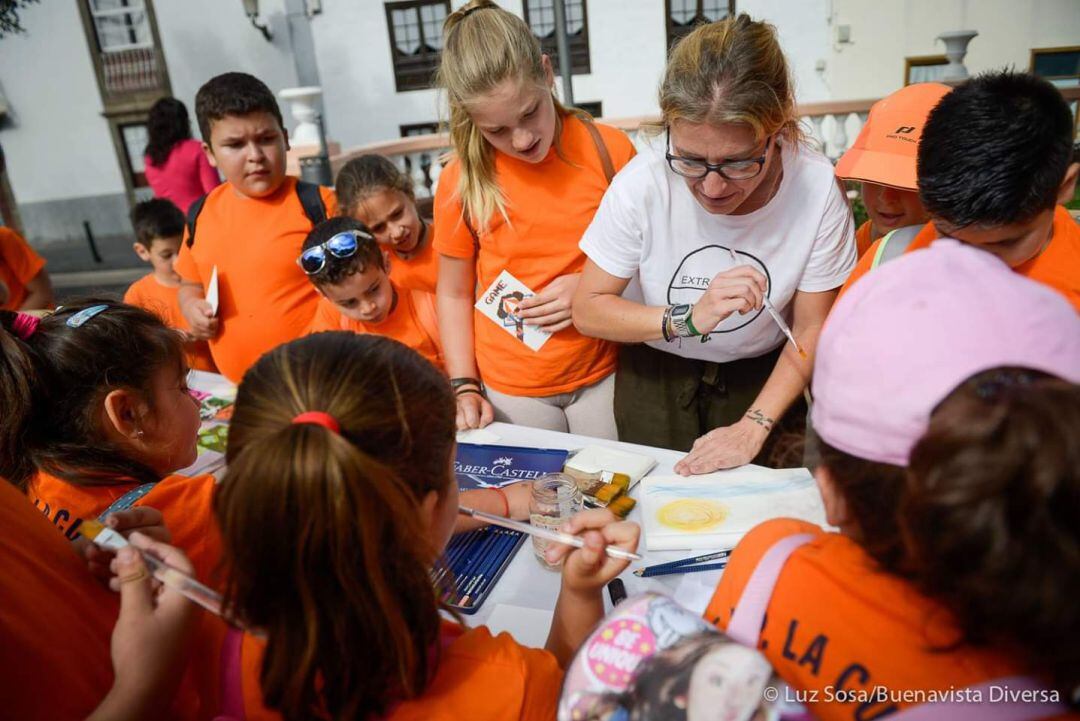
(690,323)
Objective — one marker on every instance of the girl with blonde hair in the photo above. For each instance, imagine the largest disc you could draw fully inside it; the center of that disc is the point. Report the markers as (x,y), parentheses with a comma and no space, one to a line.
(526,177)
(727,209)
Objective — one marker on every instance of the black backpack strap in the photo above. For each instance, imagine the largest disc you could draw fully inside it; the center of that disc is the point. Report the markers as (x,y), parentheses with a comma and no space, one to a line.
(192,216)
(312,201)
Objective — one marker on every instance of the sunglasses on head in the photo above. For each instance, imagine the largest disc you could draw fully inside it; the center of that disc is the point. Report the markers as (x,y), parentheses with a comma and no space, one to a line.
(341,246)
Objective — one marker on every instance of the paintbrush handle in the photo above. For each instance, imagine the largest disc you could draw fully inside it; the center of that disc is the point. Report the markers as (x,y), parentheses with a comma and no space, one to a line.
(556,536)
(184,584)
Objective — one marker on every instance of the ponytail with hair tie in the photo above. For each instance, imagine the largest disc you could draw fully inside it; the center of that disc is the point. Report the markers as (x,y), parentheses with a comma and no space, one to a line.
(318,418)
(24,325)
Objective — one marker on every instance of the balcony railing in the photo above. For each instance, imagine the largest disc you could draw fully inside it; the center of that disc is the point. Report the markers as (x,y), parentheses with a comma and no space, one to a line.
(132,70)
(832,127)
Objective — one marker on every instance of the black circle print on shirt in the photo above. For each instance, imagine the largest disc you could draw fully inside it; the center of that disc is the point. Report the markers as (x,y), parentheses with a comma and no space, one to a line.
(697,270)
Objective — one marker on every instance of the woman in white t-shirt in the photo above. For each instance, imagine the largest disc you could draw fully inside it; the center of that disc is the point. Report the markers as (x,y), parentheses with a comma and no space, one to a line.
(729,178)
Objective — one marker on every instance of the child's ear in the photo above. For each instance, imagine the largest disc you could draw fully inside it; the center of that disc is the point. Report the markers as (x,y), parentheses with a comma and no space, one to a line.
(549,72)
(430,509)
(1068,184)
(385,259)
(123,412)
(285,133)
(836,511)
(141,251)
(209,152)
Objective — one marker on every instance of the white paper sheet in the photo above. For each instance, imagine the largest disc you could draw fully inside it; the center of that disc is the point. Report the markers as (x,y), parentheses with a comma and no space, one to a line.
(592,459)
(479,436)
(212,291)
(715,510)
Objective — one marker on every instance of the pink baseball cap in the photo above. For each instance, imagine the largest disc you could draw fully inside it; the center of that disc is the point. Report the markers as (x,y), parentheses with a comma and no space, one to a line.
(908,334)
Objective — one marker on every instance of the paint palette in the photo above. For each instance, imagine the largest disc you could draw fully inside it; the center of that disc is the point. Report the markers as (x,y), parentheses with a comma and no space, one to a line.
(472,564)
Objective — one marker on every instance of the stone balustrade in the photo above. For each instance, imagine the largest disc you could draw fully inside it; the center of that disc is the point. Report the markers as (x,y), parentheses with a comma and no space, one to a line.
(831,126)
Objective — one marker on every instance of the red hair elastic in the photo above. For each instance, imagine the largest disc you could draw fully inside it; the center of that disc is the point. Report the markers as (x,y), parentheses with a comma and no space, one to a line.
(319,418)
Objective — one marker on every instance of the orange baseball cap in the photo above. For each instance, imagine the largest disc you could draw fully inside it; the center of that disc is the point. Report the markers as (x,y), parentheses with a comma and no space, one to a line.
(885,151)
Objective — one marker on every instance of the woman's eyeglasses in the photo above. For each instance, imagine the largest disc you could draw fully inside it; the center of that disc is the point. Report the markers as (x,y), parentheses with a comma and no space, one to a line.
(341,246)
(733,170)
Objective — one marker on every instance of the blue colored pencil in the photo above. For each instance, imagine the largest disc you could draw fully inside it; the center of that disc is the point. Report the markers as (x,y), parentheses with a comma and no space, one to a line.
(491,564)
(488,572)
(450,557)
(476,559)
(458,558)
(714,556)
(655,571)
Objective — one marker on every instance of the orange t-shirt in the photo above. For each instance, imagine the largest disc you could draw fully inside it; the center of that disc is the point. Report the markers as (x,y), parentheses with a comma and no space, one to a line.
(421,271)
(55,620)
(1057,266)
(550,204)
(18,266)
(185,502)
(479,677)
(164,302)
(186,505)
(864,238)
(408,323)
(836,621)
(264,298)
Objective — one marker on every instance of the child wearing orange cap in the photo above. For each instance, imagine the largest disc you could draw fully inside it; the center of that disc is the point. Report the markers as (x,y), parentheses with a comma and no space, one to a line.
(995,163)
(883,160)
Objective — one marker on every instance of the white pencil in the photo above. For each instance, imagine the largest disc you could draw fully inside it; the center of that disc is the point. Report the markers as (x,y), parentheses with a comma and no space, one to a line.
(779,319)
(556,536)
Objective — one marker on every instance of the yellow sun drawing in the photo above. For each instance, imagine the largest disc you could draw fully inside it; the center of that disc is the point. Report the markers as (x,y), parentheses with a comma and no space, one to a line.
(692,514)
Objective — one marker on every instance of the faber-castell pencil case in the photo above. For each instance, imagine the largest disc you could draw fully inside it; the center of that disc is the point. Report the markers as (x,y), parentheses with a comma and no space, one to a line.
(472,564)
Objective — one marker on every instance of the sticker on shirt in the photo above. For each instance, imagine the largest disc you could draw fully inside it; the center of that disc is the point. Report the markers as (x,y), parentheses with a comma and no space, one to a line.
(501,303)
(693,275)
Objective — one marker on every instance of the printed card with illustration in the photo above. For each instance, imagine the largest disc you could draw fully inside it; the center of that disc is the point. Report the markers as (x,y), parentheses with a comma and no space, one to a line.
(500,303)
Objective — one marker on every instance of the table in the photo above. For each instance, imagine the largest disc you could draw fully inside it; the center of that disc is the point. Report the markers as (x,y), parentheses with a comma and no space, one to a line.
(526,583)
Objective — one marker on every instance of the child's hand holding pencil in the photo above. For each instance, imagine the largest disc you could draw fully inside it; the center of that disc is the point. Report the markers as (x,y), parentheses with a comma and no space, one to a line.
(588,569)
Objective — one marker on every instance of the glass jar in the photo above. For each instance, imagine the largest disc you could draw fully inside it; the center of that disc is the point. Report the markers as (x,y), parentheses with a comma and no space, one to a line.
(555,499)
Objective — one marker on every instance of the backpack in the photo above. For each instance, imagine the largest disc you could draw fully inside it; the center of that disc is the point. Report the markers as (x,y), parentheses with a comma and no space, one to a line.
(308,193)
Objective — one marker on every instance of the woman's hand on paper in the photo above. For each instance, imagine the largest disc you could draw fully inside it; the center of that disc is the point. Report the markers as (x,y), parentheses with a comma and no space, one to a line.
(586,570)
(724,447)
(739,290)
(550,309)
(473,411)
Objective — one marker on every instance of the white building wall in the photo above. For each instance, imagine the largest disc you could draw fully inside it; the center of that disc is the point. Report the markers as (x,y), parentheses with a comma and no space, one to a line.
(204,38)
(56,142)
(352,46)
(884,33)
(59,150)
(802,26)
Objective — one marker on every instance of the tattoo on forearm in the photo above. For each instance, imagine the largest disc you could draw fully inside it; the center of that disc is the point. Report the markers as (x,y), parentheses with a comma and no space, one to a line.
(760,418)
